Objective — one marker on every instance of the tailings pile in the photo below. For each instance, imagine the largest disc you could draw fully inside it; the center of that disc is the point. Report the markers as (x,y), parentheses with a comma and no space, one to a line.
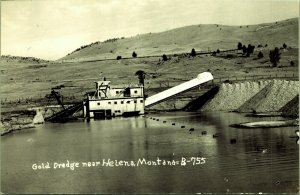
(232,96)
(259,96)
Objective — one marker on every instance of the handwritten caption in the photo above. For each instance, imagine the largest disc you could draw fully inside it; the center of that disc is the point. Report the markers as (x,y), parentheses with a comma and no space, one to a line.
(192,161)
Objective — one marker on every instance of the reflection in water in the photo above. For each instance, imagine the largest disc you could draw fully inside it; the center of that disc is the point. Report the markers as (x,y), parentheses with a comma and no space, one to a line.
(261,160)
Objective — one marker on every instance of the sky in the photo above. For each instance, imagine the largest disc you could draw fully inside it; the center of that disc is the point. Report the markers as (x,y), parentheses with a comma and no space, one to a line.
(50,29)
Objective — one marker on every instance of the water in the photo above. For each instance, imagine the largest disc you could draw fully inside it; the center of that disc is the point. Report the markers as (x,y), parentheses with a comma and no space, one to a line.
(261,160)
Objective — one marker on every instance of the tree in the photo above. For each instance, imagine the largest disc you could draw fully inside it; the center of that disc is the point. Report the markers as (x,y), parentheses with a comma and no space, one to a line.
(119,57)
(274,56)
(244,49)
(141,76)
(240,46)
(134,55)
(193,53)
(260,55)
(164,57)
(284,46)
(250,49)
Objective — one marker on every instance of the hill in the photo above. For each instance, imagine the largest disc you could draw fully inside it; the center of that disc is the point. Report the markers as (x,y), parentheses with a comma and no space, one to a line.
(8,59)
(25,83)
(201,37)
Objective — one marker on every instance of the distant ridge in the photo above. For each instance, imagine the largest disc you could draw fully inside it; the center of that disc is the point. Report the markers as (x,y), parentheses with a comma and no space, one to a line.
(20,59)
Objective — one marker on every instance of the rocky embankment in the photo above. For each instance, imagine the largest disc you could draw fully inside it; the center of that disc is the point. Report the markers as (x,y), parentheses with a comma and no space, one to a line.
(20,120)
(259,96)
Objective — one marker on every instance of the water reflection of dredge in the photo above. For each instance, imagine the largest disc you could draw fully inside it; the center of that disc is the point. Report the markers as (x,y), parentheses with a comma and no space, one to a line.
(107,102)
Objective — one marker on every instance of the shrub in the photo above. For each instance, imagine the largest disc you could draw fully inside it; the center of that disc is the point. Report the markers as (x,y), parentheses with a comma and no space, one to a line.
(193,53)
(164,57)
(260,55)
(134,55)
(292,63)
(119,57)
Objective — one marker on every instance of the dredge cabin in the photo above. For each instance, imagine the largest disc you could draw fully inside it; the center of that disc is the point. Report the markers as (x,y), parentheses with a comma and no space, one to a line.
(107,102)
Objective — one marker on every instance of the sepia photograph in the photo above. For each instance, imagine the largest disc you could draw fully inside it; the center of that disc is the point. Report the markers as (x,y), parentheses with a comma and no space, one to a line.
(149,96)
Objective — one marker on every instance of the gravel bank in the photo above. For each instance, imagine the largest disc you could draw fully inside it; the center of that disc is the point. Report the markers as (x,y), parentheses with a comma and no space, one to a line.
(233,96)
(260,96)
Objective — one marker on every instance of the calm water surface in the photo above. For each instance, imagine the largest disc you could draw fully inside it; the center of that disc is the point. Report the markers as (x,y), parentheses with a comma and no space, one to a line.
(261,160)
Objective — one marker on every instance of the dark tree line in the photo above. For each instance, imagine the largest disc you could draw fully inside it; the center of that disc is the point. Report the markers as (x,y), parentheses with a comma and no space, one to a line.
(246,50)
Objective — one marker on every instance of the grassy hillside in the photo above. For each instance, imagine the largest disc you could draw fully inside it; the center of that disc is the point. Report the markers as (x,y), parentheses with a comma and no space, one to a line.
(201,37)
(26,84)
(29,80)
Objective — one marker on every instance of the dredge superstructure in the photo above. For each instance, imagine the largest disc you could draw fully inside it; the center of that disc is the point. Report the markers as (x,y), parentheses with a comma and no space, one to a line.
(108,102)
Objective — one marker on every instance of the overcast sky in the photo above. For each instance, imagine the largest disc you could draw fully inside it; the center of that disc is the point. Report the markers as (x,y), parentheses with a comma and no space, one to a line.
(49,29)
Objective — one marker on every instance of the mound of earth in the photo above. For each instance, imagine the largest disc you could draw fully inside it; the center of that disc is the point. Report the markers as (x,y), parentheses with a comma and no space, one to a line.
(291,108)
(273,97)
(262,96)
(232,96)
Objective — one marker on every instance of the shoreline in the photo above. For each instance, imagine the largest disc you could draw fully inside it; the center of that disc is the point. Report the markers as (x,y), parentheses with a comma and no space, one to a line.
(27,122)
(21,119)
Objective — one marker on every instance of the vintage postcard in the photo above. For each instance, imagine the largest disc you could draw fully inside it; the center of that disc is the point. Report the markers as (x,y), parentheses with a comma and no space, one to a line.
(149,96)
